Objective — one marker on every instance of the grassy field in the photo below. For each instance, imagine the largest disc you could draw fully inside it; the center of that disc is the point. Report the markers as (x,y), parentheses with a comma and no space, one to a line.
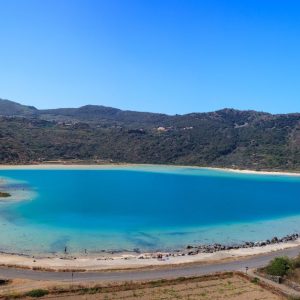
(229,286)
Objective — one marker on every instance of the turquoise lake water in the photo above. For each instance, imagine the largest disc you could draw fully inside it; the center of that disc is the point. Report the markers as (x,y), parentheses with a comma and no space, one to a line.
(149,208)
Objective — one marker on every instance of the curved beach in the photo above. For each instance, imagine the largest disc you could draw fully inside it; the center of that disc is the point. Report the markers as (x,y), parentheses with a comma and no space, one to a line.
(64,165)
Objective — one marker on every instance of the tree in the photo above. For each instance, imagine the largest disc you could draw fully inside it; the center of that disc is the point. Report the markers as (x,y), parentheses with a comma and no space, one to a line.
(279,266)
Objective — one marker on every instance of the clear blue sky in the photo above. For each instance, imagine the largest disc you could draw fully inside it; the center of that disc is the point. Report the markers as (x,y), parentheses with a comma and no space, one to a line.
(152,55)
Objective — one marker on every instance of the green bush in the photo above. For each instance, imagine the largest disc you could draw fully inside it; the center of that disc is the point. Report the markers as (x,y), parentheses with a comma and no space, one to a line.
(37,293)
(255,280)
(279,266)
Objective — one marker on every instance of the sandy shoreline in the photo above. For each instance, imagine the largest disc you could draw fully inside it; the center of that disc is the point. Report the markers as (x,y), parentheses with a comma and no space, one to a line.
(279,173)
(132,261)
(74,166)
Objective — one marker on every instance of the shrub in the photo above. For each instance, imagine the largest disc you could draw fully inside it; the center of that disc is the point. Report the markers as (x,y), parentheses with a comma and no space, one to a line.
(255,280)
(37,293)
(279,266)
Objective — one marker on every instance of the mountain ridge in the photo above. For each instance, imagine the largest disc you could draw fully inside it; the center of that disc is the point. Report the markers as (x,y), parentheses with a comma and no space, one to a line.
(224,138)
(4,102)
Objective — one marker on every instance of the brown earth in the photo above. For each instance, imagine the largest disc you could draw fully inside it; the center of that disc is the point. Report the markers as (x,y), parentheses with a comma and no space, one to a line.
(227,286)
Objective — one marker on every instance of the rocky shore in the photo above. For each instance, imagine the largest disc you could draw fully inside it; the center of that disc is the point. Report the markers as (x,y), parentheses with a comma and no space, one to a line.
(212,248)
(193,250)
(136,258)
(190,250)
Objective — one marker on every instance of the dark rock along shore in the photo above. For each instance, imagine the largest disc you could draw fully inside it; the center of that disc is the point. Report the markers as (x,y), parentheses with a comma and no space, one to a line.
(193,250)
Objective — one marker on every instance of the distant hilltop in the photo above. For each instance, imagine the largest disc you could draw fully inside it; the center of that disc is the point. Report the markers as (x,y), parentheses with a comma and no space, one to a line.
(224,138)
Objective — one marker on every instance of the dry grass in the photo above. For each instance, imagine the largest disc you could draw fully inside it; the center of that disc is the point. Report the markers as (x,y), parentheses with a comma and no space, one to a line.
(294,275)
(227,286)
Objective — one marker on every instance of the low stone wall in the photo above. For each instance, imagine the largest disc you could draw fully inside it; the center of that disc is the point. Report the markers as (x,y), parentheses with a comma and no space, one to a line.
(277,279)
(263,284)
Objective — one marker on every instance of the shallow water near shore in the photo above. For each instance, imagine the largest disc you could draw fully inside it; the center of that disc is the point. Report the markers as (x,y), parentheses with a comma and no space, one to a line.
(150,208)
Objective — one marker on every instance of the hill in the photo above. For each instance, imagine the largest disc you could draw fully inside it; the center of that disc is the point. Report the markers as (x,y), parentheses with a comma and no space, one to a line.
(10,108)
(225,138)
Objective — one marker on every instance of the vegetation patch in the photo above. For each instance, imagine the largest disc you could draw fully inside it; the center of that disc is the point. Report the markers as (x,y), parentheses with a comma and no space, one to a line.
(255,280)
(222,286)
(37,293)
(4,194)
(279,266)
(284,270)
(225,138)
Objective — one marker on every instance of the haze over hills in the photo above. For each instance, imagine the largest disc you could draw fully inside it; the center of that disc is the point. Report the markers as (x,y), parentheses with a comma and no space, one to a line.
(225,138)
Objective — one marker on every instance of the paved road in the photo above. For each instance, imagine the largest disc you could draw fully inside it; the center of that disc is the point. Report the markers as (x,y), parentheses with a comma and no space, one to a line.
(159,273)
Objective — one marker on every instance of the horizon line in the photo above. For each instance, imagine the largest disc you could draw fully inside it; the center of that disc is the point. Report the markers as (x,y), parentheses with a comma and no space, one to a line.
(151,112)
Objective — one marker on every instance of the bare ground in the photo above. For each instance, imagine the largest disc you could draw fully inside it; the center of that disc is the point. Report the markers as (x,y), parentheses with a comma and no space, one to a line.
(229,286)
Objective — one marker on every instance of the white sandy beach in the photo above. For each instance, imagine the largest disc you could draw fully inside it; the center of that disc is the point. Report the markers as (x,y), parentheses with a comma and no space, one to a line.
(71,166)
(279,173)
(130,261)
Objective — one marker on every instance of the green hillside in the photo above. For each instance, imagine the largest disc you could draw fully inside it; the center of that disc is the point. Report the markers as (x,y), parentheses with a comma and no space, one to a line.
(225,138)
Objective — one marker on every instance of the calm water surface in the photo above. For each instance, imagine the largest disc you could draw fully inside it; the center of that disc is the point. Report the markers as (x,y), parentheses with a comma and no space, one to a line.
(148,208)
